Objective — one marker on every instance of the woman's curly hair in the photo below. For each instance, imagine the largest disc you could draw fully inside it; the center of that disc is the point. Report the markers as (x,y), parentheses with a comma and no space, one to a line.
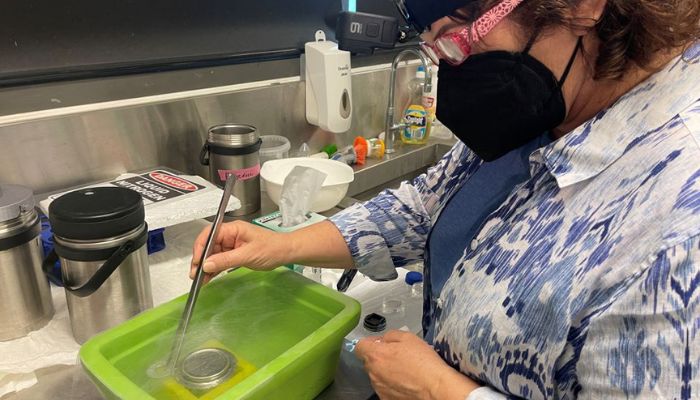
(631,32)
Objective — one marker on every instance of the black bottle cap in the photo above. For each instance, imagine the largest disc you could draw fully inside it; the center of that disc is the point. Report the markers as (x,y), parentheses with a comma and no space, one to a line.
(374,322)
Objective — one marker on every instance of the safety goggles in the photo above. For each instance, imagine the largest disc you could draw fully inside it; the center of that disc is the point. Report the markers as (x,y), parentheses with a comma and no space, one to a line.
(455,47)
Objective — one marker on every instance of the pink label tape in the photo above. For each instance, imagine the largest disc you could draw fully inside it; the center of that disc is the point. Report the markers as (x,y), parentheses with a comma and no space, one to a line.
(241,174)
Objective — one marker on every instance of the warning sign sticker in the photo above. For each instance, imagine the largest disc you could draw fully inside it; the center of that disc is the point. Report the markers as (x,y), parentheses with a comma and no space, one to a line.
(158,185)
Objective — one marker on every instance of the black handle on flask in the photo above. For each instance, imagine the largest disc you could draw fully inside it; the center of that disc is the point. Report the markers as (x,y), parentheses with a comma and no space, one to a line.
(103,273)
(204,154)
(47,266)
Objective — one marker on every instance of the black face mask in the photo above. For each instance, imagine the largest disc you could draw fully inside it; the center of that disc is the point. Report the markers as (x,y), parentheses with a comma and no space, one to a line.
(497,101)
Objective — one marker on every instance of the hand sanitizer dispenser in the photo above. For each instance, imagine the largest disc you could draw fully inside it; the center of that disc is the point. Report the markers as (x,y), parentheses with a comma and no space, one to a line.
(328,85)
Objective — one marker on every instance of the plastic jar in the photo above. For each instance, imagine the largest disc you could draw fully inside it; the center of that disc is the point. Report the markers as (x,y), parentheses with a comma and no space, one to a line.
(273,147)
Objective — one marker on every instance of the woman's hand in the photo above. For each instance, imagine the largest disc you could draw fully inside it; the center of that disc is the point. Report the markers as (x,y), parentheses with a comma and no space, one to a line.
(402,366)
(241,244)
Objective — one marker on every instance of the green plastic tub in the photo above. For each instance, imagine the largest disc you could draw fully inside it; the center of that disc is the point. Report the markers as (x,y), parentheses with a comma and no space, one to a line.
(285,330)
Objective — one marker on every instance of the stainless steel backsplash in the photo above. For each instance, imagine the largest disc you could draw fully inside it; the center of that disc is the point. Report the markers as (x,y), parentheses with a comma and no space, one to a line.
(52,153)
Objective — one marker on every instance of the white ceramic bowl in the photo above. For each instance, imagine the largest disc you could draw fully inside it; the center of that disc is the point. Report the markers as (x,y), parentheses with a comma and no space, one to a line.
(334,188)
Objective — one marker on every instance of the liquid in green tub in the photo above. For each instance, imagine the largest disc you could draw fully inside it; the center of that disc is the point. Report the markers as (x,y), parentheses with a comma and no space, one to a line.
(261,326)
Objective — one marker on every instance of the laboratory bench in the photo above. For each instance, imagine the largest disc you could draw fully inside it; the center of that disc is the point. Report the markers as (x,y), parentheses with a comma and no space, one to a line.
(169,277)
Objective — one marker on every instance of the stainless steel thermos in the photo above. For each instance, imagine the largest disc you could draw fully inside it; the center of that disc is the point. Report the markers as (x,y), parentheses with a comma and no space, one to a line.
(100,237)
(25,296)
(234,149)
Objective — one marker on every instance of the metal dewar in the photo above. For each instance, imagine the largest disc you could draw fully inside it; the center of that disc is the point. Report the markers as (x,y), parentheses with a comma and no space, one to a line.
(100,237)
(234,149)
(24,291)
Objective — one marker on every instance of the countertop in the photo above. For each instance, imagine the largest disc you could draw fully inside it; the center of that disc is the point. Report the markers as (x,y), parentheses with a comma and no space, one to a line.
(70,381)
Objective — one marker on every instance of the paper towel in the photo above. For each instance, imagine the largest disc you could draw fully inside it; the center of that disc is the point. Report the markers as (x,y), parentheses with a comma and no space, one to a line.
(51,345)
(15,382)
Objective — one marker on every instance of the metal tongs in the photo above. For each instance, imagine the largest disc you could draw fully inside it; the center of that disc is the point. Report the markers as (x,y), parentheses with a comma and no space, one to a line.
(199,277)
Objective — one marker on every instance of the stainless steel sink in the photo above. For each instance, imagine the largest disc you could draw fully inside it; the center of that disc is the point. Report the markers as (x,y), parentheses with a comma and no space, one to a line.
(406,163)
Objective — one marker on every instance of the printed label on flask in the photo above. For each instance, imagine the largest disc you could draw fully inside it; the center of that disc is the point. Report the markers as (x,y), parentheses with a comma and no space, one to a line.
(241,174)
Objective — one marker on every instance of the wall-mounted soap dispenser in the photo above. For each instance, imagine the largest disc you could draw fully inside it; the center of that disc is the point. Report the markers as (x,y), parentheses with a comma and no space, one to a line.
(328,85)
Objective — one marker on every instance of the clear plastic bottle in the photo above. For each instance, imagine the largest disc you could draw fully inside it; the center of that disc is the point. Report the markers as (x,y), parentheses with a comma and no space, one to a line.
(430,98)
(416,115)
(303,151)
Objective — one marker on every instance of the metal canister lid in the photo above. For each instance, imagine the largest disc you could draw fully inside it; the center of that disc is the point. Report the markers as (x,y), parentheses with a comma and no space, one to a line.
(206,368)
(96,213)
(233,135)
(15,200)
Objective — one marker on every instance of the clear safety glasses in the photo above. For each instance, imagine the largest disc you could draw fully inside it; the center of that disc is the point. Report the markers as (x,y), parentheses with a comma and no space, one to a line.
(455,47)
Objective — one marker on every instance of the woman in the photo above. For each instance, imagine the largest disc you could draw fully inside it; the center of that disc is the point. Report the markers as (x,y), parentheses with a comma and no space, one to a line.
(560,265)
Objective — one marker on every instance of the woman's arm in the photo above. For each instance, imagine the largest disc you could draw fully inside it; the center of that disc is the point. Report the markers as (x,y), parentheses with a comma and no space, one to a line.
(243,244)
(391,229)
(388,230)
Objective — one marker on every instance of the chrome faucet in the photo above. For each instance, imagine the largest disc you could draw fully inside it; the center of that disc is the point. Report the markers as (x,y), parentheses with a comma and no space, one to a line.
(389,127)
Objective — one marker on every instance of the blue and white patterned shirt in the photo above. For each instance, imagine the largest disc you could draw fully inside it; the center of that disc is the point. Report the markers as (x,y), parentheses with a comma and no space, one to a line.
(585,282)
